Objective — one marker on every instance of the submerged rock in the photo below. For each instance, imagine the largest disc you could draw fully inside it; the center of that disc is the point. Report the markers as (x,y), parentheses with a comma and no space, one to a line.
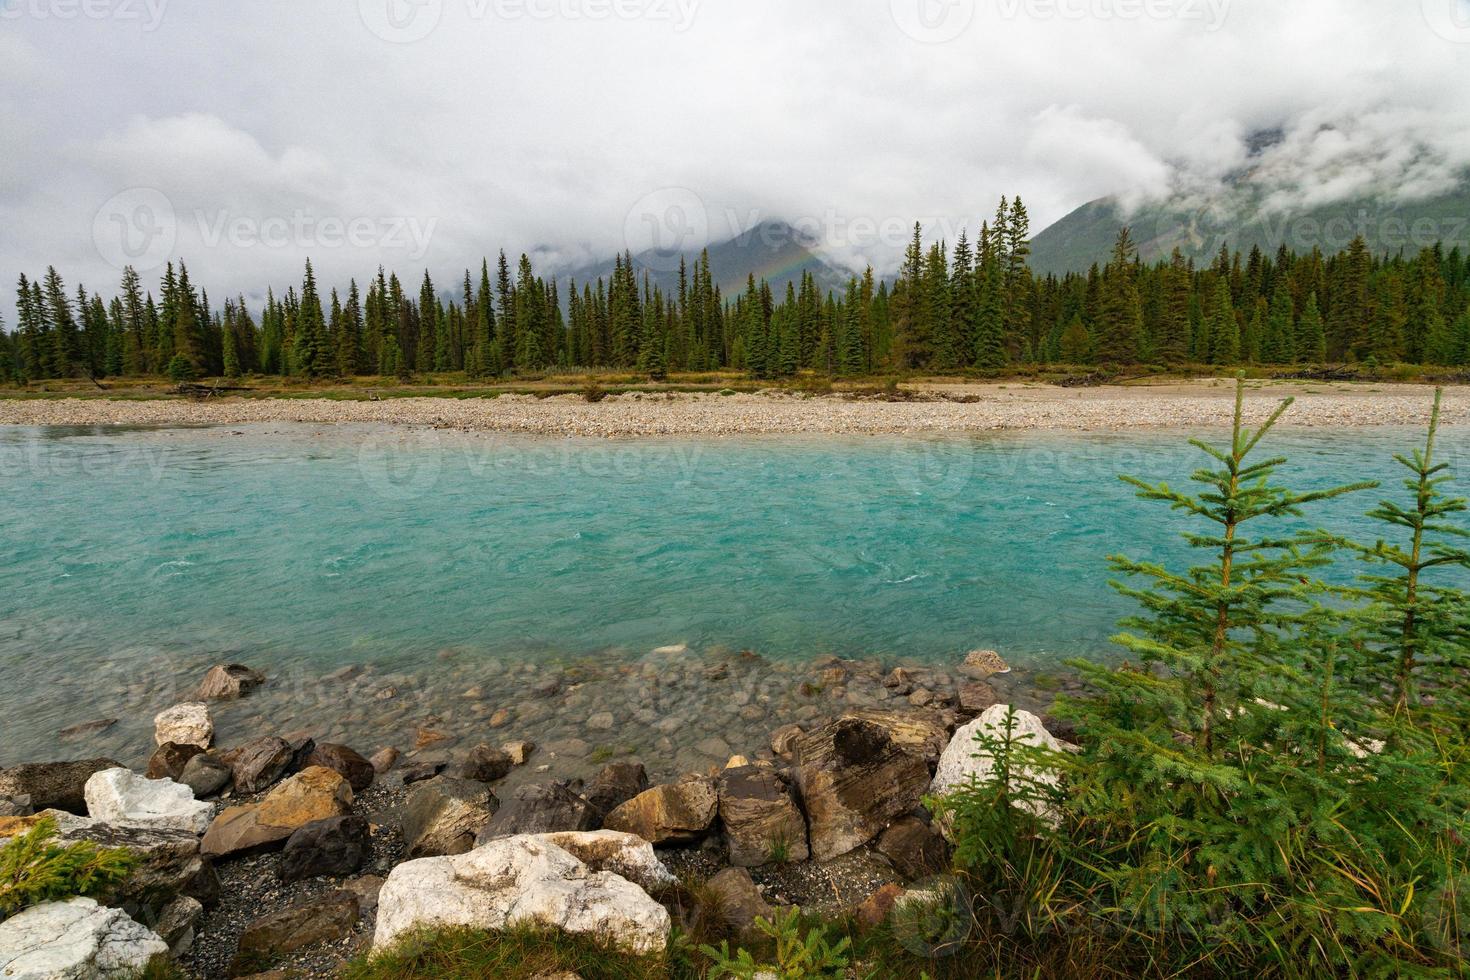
(226,682)
(76,938)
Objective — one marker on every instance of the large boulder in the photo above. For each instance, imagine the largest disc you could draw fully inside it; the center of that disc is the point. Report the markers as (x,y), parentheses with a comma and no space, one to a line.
(443,815)
(335,847)
(515,881)
(739,902)
(320,920)
(184,724)
(225,682)
(761,819)
(540,808)
(53,785)
(123,798)
(259,763)
(921,732)
(615,785)
(964,759)
(623,854)
(75,939)
(854,780)
(672,812)
(312,794)
(358,771)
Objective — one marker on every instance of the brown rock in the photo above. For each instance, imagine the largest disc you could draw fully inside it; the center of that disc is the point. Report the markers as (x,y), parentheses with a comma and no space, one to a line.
(899,680)
(761,819)
(739,901)
(981,664)
(383,759)
(854,779)
(342,760)
(920,731)
(259,763)
(485,764)
(914,849)
(225,682)
(975,697)
(169,759)
(53,785)
(321,920)
(875,909)
(313,794)
(783,740)
(615,785)
(500,719)
(426,737)
(519,751)
(540,808)
(86,728)
(443,815)
(681,811)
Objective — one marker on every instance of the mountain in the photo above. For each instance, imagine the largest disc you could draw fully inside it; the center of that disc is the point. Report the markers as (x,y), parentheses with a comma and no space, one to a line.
(772,250)
(1240,218)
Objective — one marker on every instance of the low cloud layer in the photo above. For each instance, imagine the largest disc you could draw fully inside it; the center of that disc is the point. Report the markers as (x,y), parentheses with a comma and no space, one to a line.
(428,133)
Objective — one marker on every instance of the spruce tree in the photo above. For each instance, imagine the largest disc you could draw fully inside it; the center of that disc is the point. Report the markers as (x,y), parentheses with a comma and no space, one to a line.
(1120,318)
(1311,340)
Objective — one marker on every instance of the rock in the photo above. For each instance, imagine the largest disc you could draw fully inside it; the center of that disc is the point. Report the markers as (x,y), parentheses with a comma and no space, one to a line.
(53,785)
(975,697)
(86,728)
(418,772)
(783,740)
(125,799)
(383,759)
(914,849)
(426,737)
(310,795)
(500,718)
(259,763)
(485,764)
(740,902)
(184,724)
(176,923)
(736,761)
(321,920)
(623,854)
(876,907)
(16,806)
(681,811)
(519,751)
(615,785)
(335,847)
(75,939)
(169,759)
(366,889)
(226,682)
(205,775)
(761,819)
(352,767)
(964,759)
(921,697)
(443,815)
(602,721)
(854,779)
(981,664)
(514,881)
(540,808)
(1065,729)
(920,731)
(899,680)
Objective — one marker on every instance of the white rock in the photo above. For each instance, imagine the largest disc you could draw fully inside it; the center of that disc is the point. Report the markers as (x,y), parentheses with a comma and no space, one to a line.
(75,940)
(522,879)
(627,855)
(184,724)
(125,799)
(963,757)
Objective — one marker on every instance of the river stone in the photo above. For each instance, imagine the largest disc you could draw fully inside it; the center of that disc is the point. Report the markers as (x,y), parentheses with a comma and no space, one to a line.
(383,759)
(615,785)
(176,923)
(75,939)
(53,785)
(540,808)
(519,751)
(169,759)
(312,794)
(82,729)
(783,740)
(16,806)
(922,732)
(485,764)
(226,682)
(914,849)
(854,779)
(981,664)
(125,799)
(259,763)
(964,759)
(515,881)
(205,775)
(352,767)
(336,847)
(975,697)
(320,920)
(761,819)
(681,811)
(739,902)
(443,815)
(184,724)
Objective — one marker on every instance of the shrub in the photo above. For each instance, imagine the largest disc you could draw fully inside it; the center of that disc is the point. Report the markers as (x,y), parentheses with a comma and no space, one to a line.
(34,869)
(797,955)
(181,369)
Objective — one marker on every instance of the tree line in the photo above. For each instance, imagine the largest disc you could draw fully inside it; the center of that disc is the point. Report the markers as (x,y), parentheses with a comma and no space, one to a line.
(974,306)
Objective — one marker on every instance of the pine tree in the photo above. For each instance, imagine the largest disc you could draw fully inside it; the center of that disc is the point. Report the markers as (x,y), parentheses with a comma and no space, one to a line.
(313,355)
(1280,339)
(1311,340)
(1224,328)
(1120,319)
(1075,346)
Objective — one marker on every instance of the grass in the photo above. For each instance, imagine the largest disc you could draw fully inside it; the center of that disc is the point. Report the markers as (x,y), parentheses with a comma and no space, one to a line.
(467,954)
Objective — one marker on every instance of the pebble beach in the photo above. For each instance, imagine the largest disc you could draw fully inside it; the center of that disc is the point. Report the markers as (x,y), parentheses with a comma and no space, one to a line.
(937,408)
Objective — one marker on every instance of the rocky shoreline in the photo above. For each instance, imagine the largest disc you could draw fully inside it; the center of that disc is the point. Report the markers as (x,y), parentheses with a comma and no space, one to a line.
(286,854)
(932,409)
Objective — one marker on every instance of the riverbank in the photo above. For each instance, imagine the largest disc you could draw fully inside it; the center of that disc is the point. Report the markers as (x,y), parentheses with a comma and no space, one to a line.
(917,408)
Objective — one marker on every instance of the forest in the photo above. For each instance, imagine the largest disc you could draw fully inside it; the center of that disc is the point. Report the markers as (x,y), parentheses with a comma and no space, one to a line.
(973,307)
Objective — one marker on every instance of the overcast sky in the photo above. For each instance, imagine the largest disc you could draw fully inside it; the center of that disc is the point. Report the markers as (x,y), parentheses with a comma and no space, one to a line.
(248,135)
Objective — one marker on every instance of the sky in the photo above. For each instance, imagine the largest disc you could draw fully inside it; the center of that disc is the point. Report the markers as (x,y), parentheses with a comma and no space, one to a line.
(246,137)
